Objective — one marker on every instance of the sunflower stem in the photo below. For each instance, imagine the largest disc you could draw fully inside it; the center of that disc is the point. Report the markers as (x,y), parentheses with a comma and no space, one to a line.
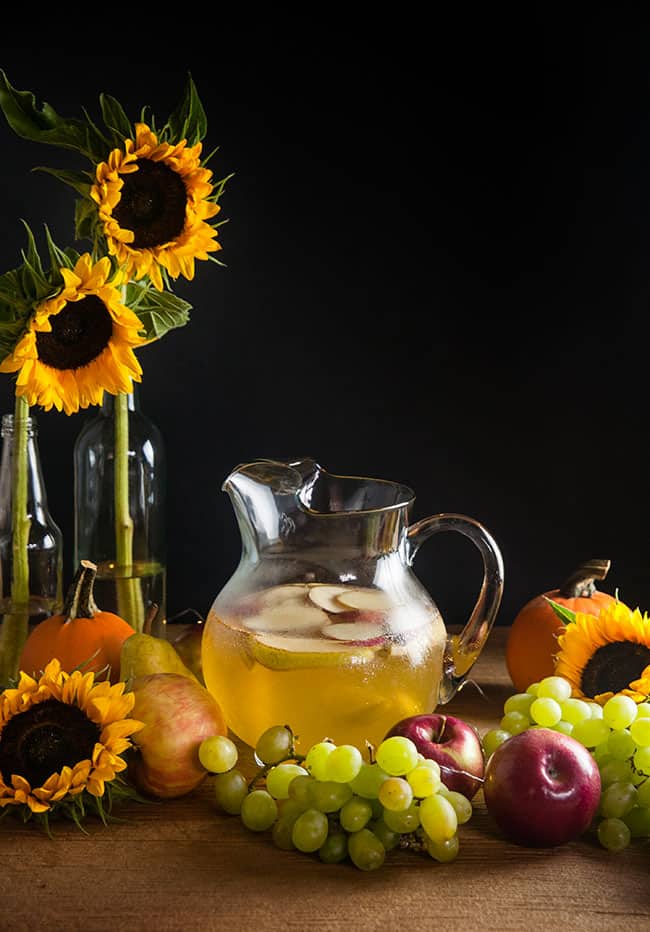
(16,622)
(129,593)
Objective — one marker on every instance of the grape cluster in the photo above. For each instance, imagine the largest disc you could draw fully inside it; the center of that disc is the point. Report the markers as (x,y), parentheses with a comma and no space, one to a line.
(618,736)
(333,803)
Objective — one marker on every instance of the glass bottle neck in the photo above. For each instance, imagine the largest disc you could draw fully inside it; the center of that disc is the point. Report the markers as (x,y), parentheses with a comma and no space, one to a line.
(36,494)
(108,403)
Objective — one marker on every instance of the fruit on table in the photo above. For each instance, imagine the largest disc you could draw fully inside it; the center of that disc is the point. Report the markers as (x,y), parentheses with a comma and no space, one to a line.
(343,807)
(453,743)
(542,788)
(81,636)
(142,654)
(532,639)
(188,646)
(617,734)
(178,714)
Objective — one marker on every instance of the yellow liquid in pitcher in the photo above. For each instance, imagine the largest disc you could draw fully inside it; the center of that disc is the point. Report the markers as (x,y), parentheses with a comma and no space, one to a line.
(283,657)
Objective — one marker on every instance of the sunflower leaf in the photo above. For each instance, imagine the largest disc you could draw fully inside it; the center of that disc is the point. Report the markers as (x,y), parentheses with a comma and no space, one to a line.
(78,180)
(563,613)
(189,121)
(158,311)
(41,123)
(115,118)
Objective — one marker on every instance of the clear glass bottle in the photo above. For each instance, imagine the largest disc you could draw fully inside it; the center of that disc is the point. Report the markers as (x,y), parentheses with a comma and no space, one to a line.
(44,550)
(136,592)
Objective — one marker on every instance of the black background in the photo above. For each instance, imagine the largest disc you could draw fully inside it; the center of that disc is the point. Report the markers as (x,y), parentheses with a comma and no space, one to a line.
(438,272)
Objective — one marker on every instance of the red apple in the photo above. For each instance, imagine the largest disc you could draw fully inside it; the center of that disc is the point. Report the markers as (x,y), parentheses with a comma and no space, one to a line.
(542,788)
(453,743)
(178,714)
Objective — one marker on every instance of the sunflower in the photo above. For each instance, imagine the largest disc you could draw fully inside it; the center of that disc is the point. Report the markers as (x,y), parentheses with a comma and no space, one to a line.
(608,654)
(61,741)
(78,343)
(153,201)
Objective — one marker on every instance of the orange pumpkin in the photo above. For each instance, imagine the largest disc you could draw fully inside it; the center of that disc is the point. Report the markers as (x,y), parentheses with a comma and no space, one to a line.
(82,636)
(532,639)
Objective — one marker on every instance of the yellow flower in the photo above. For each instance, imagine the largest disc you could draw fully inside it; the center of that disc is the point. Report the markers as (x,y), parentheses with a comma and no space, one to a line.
(79,343)
(607,654)
(61,736)
(153,201)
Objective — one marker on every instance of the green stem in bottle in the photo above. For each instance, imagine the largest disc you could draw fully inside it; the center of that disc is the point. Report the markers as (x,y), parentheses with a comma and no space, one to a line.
(16,622)
(129,593)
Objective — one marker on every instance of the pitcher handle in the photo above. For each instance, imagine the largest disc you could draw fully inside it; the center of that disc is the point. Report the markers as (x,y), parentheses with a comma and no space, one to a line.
(463,649)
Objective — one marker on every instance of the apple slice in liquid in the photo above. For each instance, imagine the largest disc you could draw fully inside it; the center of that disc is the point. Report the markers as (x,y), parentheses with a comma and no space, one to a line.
(286,653)
(365,599)
(290,616)
(326,597)
(366,633)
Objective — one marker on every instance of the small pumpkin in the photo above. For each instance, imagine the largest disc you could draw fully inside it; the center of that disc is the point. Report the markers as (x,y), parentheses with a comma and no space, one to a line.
(82,636)
(532,639)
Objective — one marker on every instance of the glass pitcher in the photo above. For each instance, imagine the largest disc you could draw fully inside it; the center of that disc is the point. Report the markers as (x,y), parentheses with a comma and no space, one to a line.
(324,626)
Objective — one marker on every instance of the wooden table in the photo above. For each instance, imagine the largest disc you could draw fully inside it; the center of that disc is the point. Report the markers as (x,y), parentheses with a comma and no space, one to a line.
(181,865)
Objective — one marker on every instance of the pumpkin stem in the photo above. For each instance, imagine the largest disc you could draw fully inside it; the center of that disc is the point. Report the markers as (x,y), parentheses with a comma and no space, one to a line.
(581,583)
(80,602)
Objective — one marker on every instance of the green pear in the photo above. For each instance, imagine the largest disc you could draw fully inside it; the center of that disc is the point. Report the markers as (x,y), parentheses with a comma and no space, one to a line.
(144,654)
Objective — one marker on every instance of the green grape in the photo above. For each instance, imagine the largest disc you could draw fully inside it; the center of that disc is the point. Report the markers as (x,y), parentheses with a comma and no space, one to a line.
(545,711)
(637,778)
(621,744)
(514,723)
(310,830)
(438,818)
(493,738)
(259,811)
(368,780)
(424,781)
(274,744)
(443,851)
(595,710)
(565,727)
(299,789)
(591,732)
(519,702)
(355,814)
(575,710)
(334,849)
(316,757)
(230,790)
(533,689)
(613,834)
(386,836)
(461,804)
(396,794)
(365,850)
(290,809)
(642,760)
(397,755)
(640,731)
(343,764)
(619,711)
(554,687)
(377,808)
(218,754)
(601,753)
(643,794)
(329,796)
(643,710)
(403,822)
(617,800)
(279,778)
(615,771)
(281,834)
(638,822)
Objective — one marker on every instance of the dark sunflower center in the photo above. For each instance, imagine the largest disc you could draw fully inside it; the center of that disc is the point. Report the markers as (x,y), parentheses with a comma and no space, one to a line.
(152,204)
(613,667)
(80,332)
(39,742)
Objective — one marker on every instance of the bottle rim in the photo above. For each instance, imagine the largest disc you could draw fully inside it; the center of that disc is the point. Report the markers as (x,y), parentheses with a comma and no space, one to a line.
(8,425)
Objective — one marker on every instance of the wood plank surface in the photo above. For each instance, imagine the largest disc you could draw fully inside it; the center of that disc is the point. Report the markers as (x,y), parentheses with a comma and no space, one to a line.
(181,865)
